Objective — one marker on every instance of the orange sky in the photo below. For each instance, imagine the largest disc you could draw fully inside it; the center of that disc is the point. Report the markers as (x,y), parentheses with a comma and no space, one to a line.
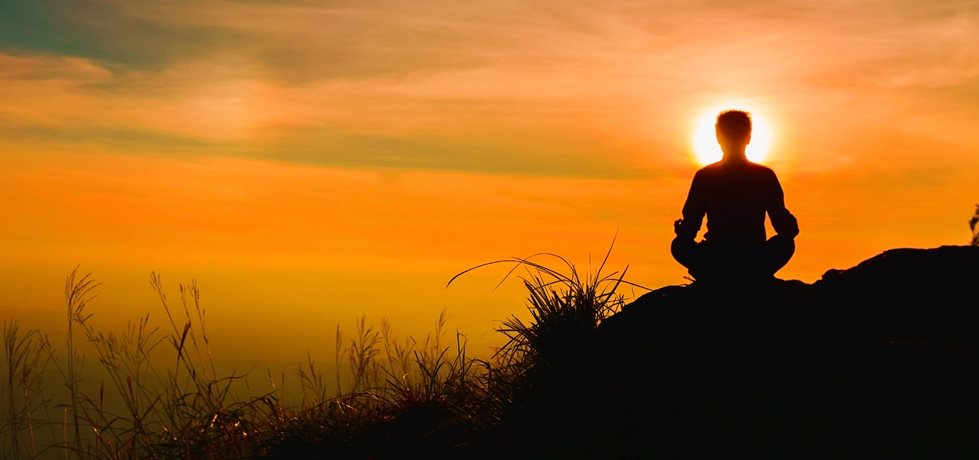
(309,162)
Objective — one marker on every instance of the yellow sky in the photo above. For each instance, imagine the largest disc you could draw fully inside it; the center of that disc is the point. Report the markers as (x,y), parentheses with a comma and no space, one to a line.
(308,162)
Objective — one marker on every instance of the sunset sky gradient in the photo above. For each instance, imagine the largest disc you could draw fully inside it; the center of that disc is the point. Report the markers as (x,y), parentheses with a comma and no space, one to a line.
(312,161)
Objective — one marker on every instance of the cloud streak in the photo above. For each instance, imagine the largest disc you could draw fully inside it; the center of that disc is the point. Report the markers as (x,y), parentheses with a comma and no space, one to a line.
(462,85)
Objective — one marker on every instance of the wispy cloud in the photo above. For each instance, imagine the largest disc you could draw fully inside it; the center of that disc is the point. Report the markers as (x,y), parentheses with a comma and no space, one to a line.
(498,87)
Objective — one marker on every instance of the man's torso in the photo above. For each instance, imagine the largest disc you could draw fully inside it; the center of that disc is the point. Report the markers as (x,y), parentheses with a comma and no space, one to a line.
(736,197)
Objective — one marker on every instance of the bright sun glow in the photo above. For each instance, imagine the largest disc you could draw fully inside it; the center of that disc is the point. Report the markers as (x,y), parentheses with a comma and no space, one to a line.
(705,147)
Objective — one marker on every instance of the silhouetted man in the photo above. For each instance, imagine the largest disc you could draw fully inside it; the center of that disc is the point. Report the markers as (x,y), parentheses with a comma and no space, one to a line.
(735,195)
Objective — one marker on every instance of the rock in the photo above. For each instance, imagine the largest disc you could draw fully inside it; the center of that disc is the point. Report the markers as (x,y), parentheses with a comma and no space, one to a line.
(875,361)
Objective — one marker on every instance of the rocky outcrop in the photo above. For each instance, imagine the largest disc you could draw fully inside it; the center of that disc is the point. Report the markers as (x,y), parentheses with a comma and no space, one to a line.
(875,361)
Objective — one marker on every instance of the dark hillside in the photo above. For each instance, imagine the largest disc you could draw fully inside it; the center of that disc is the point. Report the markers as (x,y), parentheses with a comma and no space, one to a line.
(876,361)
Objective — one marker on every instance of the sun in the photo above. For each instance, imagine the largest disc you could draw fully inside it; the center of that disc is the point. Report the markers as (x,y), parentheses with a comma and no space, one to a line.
(705,147)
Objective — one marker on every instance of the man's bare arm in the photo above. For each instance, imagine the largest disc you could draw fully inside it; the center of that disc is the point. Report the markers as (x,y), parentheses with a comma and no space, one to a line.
(783,221)
(694,210)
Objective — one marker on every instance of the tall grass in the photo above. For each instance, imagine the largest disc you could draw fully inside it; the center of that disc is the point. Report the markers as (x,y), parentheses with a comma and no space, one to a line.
(158,393)
(564,305)
(528,392)
(27,407)
(389,380)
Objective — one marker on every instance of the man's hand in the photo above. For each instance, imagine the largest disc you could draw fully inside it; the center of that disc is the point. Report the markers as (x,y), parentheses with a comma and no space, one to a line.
(683,229)
(784,223)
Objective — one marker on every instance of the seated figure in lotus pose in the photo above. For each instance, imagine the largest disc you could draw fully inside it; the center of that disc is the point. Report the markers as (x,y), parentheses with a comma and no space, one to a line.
(735,195)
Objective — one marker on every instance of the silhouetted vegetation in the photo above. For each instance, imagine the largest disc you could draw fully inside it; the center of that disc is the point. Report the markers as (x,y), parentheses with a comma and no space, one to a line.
(863,359)
(423,398)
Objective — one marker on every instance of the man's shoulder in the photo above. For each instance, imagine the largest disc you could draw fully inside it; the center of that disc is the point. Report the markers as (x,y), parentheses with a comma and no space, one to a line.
(760,167)
(712,168)
(719,167)
(761,170)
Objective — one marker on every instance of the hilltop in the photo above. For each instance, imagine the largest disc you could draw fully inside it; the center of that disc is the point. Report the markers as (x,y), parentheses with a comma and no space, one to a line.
(874,361)
(879,360)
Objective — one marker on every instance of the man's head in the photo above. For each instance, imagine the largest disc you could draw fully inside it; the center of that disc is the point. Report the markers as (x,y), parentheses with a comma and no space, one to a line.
(733,130)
